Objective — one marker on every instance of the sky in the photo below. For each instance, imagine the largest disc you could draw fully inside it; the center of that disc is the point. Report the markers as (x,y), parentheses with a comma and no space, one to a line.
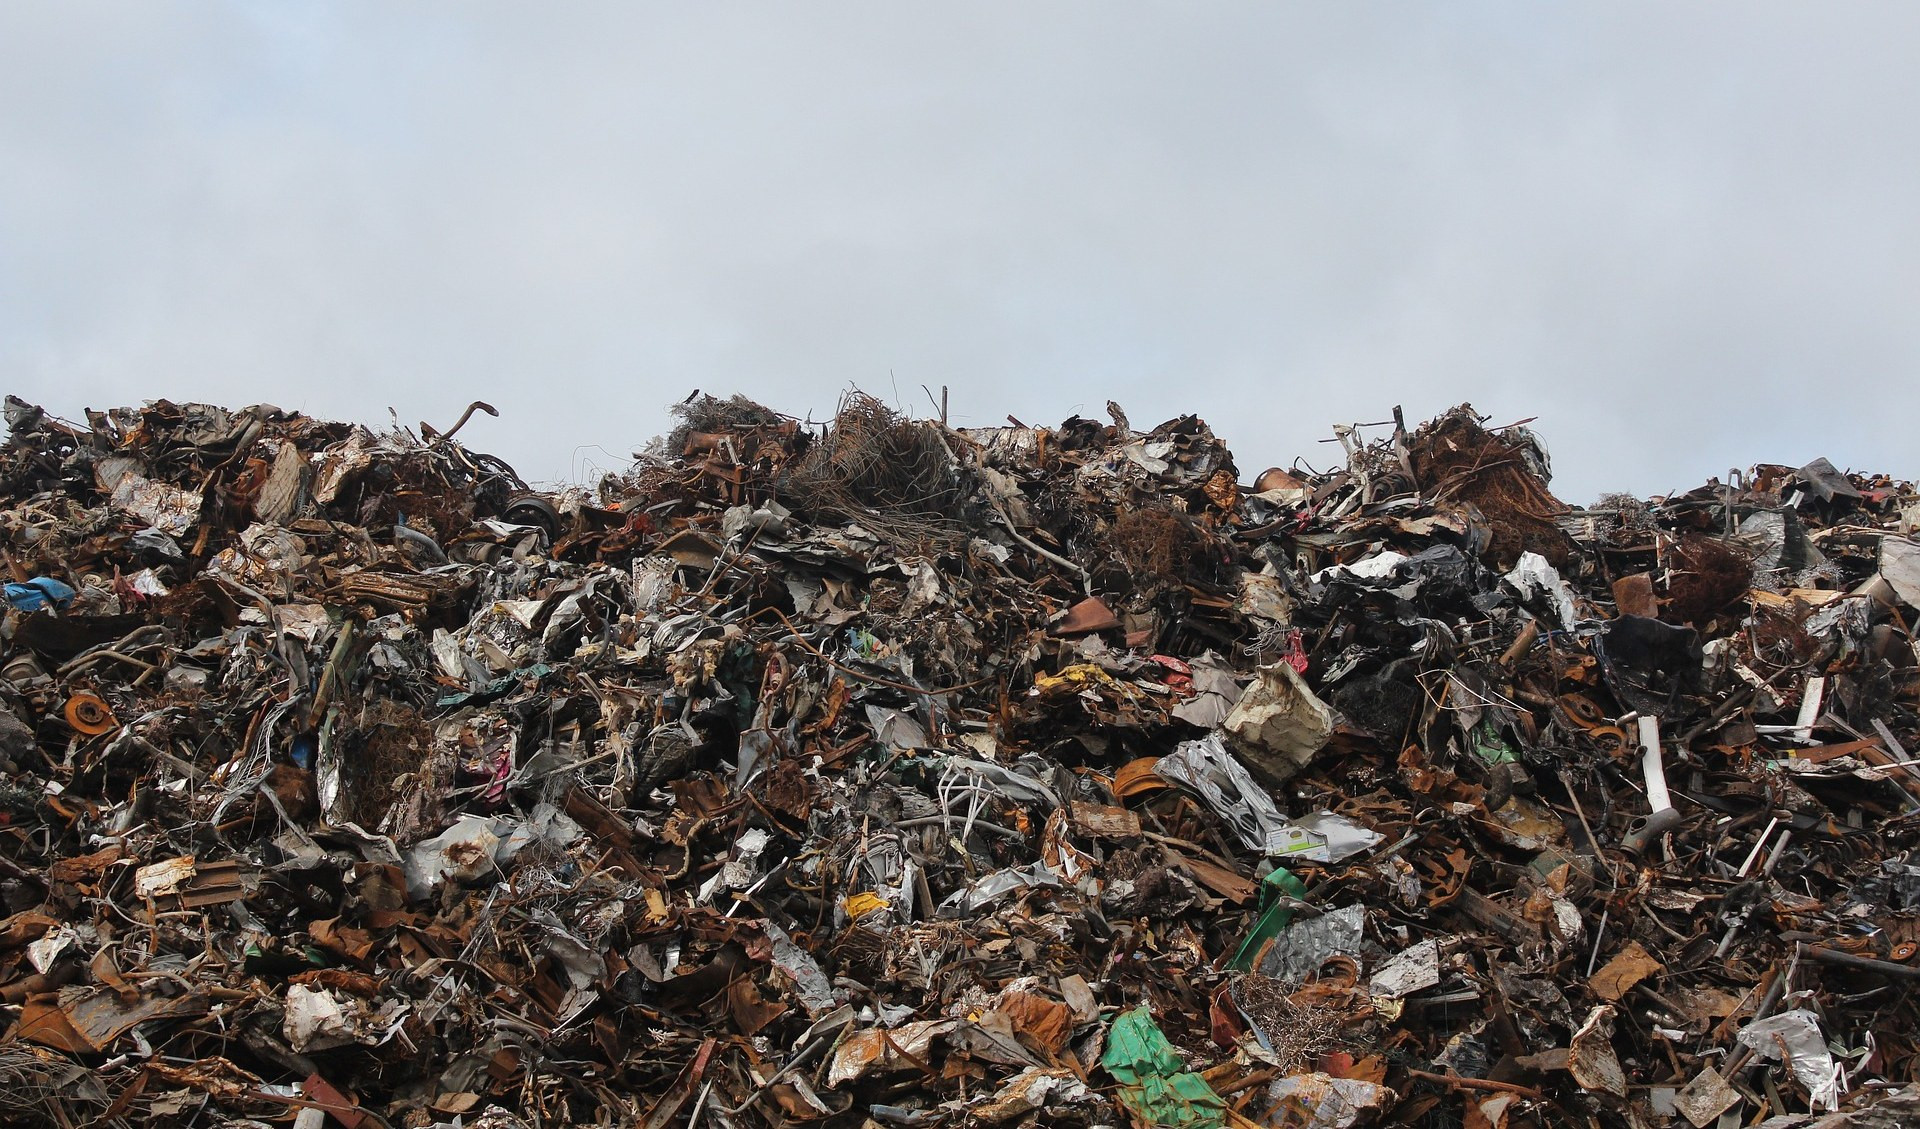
(1686,237)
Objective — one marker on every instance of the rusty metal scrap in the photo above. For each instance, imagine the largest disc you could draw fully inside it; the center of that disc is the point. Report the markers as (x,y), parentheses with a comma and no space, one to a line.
(882,773)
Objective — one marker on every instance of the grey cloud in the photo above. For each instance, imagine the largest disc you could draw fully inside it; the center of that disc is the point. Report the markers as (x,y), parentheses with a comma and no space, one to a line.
(1681,235)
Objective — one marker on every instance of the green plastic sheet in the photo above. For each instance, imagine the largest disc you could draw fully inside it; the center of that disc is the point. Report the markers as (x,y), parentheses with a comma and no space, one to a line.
(1156,1085)
(1275,918)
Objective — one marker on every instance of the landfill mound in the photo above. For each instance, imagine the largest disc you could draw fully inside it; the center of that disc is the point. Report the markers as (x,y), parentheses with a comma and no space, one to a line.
(884,773)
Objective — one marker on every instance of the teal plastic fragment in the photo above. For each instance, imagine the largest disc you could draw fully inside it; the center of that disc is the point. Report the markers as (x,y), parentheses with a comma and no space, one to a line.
(1156,1085)
(1274,918)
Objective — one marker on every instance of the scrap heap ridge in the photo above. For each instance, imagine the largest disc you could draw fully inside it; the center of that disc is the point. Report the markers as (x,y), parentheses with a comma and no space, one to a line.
(883,773)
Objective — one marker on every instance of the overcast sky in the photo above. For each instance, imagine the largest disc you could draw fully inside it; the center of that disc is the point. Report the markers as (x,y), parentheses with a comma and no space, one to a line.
(1686,237)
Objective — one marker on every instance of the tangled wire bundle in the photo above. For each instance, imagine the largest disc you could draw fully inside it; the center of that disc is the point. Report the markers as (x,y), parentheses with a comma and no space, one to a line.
(43,1090)
(1161,546)
(1458,460)
(893,475)
(710,413)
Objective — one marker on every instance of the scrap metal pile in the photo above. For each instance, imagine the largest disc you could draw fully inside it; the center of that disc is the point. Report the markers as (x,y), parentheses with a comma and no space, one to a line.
(881,773)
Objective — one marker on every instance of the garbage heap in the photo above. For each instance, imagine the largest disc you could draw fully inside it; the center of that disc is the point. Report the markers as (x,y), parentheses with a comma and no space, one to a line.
(882,773)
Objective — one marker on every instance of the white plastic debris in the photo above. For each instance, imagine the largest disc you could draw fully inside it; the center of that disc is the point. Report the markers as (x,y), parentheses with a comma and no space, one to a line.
(1533,576)
(1278,725)
(1794,1036)
(1900,568)
(1413,970)
(316,1020)
(1377,567)
(477,845)
(166,877)
(1330,838)
(1329,1102)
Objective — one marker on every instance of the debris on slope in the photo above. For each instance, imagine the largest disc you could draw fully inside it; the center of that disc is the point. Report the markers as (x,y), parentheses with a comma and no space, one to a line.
(882,773)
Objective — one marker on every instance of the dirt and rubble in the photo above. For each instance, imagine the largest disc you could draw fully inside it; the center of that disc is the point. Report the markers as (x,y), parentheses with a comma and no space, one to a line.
(883,773)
